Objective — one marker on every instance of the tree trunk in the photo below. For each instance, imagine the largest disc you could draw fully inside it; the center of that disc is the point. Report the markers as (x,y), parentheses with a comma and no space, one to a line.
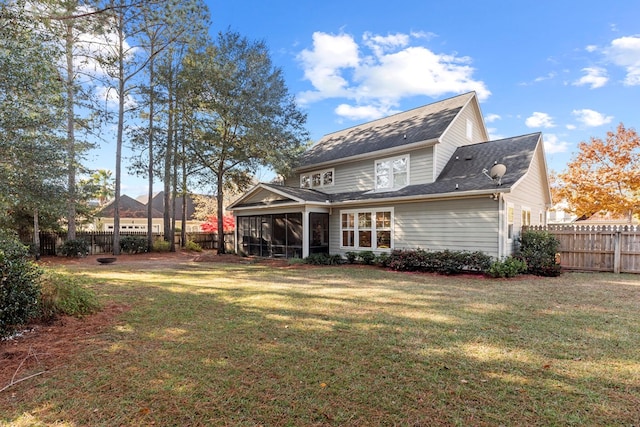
(150,166)
(71,143)
(36,234)
(220,214)
(121,99)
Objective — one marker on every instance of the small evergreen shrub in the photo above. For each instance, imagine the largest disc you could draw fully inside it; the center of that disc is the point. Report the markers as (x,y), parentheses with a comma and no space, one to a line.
(193,246)
(323,259)
(367,257)
(351,256)
(442,262)
(75,248)
(64,295)
(133,244)
(538,250)
(383,259)
(295,261)
(19,287)
(507,267)
(161,246)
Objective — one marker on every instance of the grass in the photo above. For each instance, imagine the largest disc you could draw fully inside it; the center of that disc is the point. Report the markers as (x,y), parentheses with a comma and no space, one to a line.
(247,345)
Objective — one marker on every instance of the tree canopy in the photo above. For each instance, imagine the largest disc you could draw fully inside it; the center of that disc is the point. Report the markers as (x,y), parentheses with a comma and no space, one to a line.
(604,176)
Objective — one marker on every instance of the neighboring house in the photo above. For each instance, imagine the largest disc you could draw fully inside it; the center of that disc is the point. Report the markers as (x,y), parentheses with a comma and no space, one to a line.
(417,179)
(133,215)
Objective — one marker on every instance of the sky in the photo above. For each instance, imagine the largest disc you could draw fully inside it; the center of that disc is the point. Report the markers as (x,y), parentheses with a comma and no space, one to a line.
(568,69)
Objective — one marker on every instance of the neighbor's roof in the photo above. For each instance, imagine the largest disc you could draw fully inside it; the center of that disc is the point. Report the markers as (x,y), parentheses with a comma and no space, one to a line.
(421,124)
(129,208)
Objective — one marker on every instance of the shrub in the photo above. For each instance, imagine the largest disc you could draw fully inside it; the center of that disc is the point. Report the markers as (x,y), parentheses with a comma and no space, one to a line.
(19,289)
(383,259)
(64,295)
(160,245)
(538,250)
(443,262)
(133,244)
(295,261)
(192,246)
(507,267)
(367,257)
(75,248)
(323,259)
(351,256)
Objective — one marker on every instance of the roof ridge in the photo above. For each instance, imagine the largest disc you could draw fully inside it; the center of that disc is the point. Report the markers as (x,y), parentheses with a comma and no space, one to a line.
(398,113)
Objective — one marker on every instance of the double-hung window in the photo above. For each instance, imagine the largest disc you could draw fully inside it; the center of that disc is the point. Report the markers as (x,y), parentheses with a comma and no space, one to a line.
(317,179)
(367,229)
(392,173)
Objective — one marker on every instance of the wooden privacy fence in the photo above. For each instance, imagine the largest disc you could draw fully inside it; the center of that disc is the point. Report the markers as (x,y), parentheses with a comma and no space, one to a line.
(101,242)
(609,248)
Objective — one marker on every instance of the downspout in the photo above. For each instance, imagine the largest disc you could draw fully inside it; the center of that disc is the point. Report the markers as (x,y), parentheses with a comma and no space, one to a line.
(501,223)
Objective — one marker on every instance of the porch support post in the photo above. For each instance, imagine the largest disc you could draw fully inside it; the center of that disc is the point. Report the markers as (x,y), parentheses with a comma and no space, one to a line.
(305,233)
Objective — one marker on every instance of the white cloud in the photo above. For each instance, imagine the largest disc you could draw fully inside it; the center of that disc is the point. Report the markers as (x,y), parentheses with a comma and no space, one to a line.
(539,120)
(625,52)
(595,77)
(571,127)
(552,144)
(381,70)
(492,118)
(591,48)
(363,112)
(324,64)
(591,118)
(110,96)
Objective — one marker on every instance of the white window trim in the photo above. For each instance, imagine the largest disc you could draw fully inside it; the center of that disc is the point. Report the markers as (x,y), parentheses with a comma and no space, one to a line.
(469,130)
(356,237)
(510,221)
(309,176)
(523,213)
(391,159)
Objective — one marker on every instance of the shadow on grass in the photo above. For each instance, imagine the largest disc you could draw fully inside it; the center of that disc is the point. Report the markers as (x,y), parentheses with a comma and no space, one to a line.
(248,345)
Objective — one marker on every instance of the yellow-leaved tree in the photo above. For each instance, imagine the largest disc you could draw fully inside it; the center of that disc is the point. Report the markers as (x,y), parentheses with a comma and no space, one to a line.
(603,177)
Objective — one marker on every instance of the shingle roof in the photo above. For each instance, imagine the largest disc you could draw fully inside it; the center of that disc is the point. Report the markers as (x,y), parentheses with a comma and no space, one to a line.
(464,169)
(129,208)
(420,124)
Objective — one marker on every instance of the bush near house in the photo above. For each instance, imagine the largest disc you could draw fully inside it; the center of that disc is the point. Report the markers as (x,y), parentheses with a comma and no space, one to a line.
(538,249)
(443,262)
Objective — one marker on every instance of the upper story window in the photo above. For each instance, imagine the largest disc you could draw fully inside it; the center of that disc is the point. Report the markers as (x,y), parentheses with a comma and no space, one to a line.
(392,173)
(469,130)
(317,179)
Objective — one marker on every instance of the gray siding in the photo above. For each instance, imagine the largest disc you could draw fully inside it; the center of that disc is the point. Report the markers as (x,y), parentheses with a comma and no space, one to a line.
(468,224)
(360,175)
(530,193)
(456,135)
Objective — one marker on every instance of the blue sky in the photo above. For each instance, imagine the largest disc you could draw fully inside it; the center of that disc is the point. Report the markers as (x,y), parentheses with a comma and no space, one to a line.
(570,69)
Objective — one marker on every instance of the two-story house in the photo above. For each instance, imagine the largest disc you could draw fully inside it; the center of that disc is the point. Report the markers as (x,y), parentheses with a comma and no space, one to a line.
(425,178)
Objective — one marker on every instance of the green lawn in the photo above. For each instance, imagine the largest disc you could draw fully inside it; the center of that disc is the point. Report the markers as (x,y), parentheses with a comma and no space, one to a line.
(229,344)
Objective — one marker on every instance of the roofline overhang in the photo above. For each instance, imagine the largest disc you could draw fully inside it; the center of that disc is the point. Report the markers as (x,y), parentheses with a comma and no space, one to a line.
(372,155)
(386,200)
(440,196)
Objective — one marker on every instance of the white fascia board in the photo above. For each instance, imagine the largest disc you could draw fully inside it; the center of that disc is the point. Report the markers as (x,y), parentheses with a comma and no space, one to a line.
(440,196)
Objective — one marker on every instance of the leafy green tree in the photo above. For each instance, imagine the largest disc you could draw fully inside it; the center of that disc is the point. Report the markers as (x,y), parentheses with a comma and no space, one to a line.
(31,112)
(246,116)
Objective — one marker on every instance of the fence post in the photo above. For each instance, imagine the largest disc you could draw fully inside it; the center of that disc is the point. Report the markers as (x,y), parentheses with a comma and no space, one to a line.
(616,252)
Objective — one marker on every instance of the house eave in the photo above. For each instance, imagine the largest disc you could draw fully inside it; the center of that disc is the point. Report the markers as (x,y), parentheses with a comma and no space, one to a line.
(430,197)
(372,155)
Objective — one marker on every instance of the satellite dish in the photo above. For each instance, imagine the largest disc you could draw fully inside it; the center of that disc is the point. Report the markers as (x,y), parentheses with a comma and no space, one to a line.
(497,171)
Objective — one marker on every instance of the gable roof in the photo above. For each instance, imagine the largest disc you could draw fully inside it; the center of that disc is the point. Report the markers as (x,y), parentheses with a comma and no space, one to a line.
(462,175)
(422,124)
(129,208)
(158,204)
